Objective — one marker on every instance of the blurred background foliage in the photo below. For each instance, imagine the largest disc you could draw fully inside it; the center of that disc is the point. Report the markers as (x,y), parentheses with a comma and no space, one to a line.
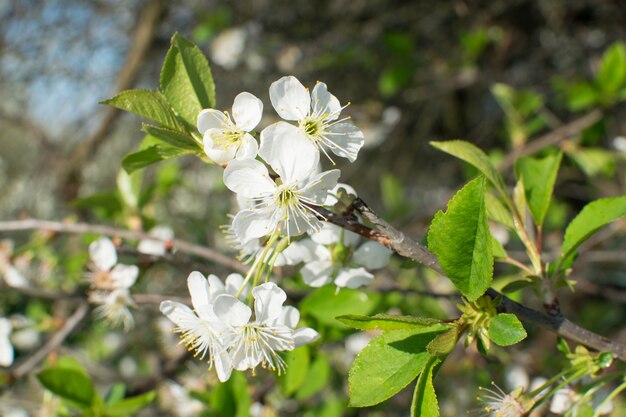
(496,73)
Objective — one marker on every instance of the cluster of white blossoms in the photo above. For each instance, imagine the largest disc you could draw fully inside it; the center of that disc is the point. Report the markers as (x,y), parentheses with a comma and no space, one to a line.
(6,348)
(279,185)
(110,284)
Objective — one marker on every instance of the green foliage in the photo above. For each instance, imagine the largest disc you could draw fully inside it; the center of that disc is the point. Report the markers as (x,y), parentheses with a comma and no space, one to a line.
(146,103)
(476,157)
(506,329)
(612,73)
(593,216)
(316,378)
(593,161)
(521,111)
(497,211)
(186,79)
(424,402)
(325,304)
(174,138)
(70,384)
(231,398)
(387,322)
(387,365)
(538,176)
(150,155)
(298,361)
(393,196)
(461,240)
(444,342)
(129,406)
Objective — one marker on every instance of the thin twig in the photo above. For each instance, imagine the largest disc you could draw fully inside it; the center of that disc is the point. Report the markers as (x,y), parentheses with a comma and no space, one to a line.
(83,228)
(52,344)
(398,242)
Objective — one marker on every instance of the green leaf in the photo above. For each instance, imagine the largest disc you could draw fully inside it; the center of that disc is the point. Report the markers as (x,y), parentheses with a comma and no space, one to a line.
(516,286)
(580,95)
(231,398)
(316,379)
(476,157)
(68,383)
(129,406)
(594,161)
(392,192)
(612,74)
(186,79)
(172,137)
(297,361)
(116,393)
(150,155)
(129,186)
(443,343)
(424,402)
(461,239)
(325,304)
(538,176)
(497,211)
(506,329)
(387,365)
(497,248)
(593,216)
(387,322)
(146,103)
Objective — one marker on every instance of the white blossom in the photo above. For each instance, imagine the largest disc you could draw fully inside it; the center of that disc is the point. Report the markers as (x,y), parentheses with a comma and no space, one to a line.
(317,114)
(282,205)
(227,138)
(156,247)
(6,348)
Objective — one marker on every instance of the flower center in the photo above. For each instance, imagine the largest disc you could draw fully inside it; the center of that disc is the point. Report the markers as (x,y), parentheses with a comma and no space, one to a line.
(259,344)
(286,196)
(311,127)
(226,138)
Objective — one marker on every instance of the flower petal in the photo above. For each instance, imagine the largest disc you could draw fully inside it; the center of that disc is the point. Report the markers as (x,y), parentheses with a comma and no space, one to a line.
(216,287)
(124,276)
(103,253)
(198,289)
(223,365)
(324,103)
(178,313)
(248,178)
(301,251)
(212,119)
(353,278)
(5,327)
(331,199)
(290,316)
(247,111)
(14,278)
(218,154)
(233,284)
(248,148)
(372,255)
(317,273)
(348,138)
(231,311)
(290,98)
(288,151)
(329,234)
(6,352)
(268,302)
(317,187)
(253,224)
(304,336)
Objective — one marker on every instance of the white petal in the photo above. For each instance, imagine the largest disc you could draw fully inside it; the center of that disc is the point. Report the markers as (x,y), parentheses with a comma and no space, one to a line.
(234,283)
(290,316)
(300,251)
(317,187)
(248,178)
(288,151)
(268,302)
(252,224)
(151,247)
(103,253)
(223,365)
(178,313)
(331,199)
(14,278)
(247,111)
(290,98)
(324,103)
(248,148)
(231,311)
(6,352)
(124,276)
(218,154)
(297,225)
(5,327)
(212,119)
(329,234)
(304,336)
(353,278)
(216,287)
(199,290)
(317,273)
(349,140)
(372,255)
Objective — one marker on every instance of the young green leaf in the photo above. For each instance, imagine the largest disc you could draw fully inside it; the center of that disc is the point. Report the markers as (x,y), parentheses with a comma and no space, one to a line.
(538,176)
(70,384)
(150,155)
(172,137)
(424,402)
(387,365)
(297,369)
(444,342)
(186,79)
(593,216)
(129,406)
(612,74)
(506,329)
(231,398)
(473,155)
(387,322)
(146,103)
(325,304)
(497,211)
(461,239)
(316,379)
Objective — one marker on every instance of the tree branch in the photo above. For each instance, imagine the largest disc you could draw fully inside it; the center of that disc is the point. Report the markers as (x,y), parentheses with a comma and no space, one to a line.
(403,245)
(82,228)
